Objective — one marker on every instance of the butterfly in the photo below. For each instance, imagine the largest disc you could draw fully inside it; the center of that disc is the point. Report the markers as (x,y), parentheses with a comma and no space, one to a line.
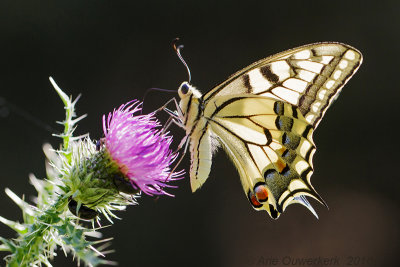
(264,117)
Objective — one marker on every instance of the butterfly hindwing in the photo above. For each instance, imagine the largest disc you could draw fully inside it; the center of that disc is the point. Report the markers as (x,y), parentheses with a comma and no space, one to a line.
(271,145)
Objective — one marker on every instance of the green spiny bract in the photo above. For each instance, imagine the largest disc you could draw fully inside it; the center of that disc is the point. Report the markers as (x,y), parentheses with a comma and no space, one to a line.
(89,180)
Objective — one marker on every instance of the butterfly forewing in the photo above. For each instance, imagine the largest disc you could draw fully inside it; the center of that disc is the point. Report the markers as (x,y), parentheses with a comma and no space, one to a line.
(309,77)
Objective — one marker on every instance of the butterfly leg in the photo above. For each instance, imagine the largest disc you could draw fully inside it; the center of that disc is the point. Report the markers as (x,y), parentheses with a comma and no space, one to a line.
(177,114)
(167,124)
(175,117)
(183,142)
(170,121)
(165,105)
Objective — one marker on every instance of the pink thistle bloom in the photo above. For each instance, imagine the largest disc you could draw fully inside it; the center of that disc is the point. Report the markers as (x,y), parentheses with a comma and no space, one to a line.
(139,149)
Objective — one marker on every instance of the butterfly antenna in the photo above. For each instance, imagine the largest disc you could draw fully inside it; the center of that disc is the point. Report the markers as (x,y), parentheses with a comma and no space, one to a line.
(178,52)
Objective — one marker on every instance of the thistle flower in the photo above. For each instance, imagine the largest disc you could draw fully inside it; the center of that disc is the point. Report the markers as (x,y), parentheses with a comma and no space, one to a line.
(140,150)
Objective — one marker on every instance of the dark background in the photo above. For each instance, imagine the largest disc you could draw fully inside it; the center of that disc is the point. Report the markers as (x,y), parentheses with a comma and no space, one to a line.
(112,51)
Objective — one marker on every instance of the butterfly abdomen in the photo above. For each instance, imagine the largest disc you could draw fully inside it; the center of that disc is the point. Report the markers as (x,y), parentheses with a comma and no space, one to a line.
(201,154)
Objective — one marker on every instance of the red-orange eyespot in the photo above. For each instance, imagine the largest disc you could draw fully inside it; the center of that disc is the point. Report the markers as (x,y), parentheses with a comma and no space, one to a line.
(253,200)
(261,193)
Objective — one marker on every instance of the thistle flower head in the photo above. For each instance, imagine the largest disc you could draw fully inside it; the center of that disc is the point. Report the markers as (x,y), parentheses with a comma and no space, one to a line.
(140,150)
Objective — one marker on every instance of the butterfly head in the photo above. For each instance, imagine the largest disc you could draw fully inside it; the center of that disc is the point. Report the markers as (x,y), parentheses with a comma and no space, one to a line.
(186,91)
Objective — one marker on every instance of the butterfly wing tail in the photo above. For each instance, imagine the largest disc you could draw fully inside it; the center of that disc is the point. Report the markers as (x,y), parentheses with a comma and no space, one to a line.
(303,201)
